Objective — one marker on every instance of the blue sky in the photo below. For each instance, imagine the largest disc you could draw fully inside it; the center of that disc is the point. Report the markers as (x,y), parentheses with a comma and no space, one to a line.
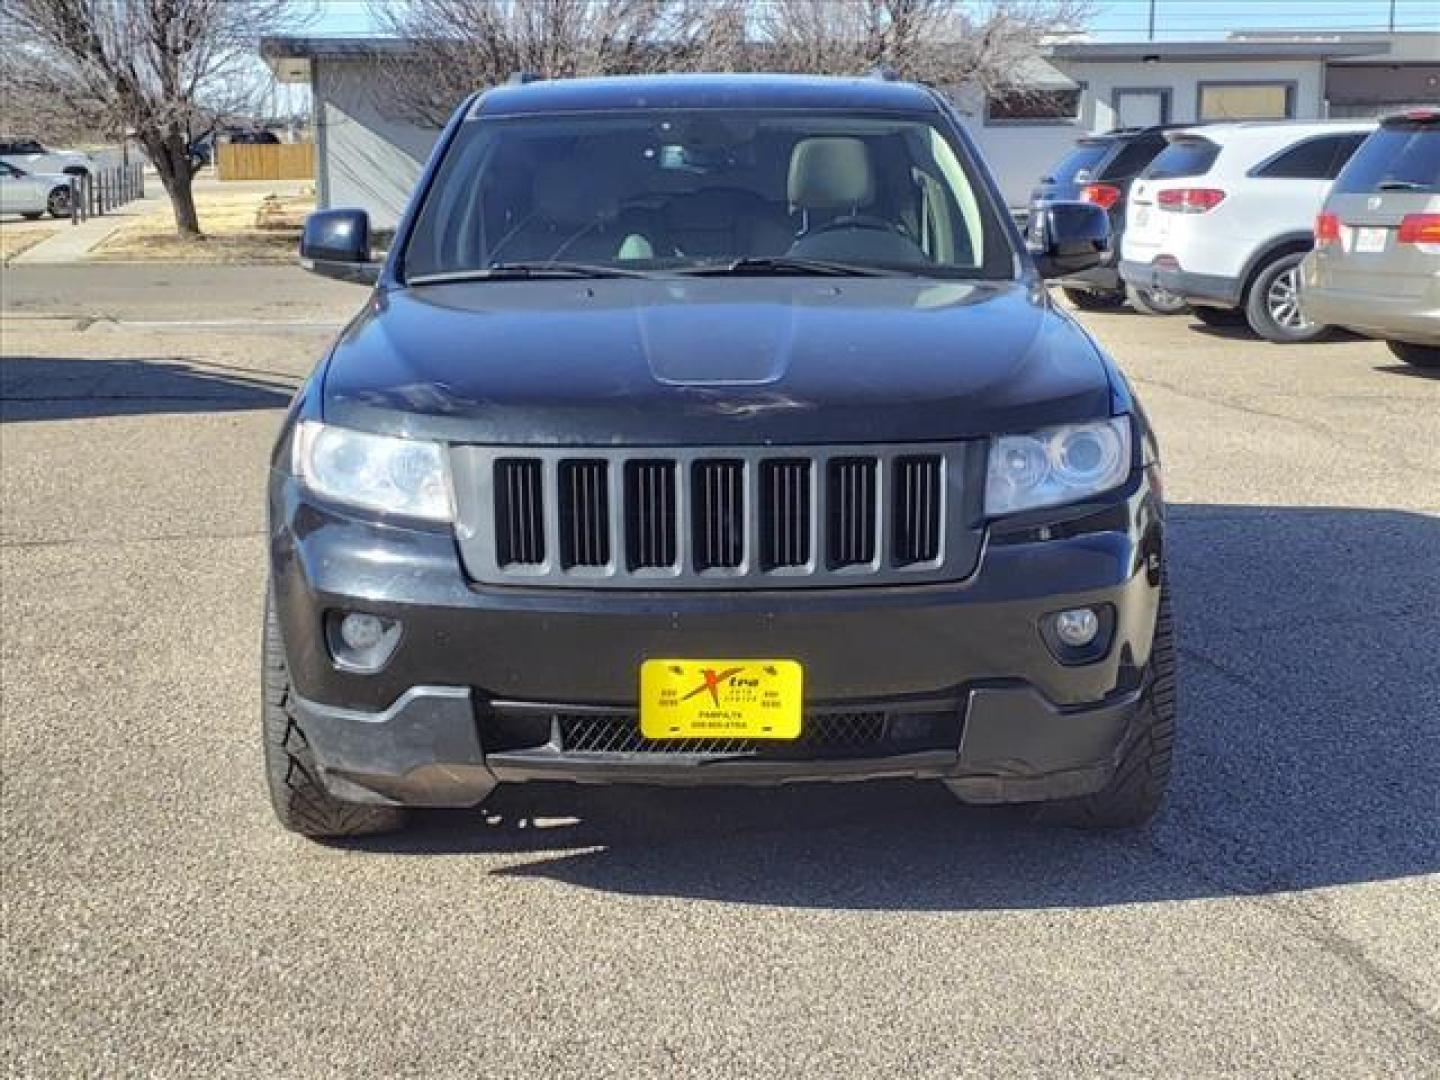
(1122,19)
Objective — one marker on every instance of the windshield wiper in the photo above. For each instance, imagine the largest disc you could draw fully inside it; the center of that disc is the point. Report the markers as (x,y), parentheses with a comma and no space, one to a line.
(791,264)
(1400,185)
(513,270)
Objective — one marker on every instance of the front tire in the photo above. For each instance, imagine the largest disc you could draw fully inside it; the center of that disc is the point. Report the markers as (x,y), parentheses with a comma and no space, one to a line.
(1155,301)
(1137,789)
(1086,300)
(1421,356)
(58,203)
(299,798)
(1273,307)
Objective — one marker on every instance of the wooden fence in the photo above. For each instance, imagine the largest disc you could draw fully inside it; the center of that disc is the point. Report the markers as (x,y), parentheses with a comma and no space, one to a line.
(266,161)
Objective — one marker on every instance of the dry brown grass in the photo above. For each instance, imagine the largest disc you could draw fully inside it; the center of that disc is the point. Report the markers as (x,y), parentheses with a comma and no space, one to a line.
(239,227)
(16,237)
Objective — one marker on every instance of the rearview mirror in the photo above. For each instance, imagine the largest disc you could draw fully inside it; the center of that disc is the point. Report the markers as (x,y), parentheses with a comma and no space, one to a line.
(1067,237)
(336,243)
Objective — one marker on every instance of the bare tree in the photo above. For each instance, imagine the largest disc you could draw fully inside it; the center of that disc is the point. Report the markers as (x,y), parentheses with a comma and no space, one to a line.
(948,43)
(160,69)
(454,46)
(457,46)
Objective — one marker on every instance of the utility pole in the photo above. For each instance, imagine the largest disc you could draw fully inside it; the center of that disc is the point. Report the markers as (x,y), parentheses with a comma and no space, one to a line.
(1152,18)
(1392,16)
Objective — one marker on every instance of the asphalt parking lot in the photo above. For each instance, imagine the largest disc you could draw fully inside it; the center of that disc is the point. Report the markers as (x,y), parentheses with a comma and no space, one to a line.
(1279,919)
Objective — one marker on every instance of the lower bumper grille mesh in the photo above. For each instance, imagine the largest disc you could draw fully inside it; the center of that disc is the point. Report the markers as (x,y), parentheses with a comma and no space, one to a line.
(837,733)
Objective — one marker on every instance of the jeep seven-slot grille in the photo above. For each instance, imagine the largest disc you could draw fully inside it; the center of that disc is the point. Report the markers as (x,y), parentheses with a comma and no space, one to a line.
(717,517)
(785,497)
(519,512)
(915,518)
(650,514)
(584,513)
(767,517)
(852,511)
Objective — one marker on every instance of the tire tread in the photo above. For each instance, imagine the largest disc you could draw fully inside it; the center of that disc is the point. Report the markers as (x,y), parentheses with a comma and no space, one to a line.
(299,798)
(1137,789)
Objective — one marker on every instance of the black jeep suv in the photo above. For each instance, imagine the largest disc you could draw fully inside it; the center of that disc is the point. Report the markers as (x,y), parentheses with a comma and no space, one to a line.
(1100,169)
(713,429)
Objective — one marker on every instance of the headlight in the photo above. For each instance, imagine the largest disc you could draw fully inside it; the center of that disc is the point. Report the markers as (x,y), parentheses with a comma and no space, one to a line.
(1056,465)
(374,472)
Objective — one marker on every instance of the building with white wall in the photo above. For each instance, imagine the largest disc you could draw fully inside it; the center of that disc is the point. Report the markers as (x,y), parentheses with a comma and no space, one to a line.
(368,155)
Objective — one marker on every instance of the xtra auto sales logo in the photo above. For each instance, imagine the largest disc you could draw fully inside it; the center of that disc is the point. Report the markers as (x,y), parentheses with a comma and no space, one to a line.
(712,682)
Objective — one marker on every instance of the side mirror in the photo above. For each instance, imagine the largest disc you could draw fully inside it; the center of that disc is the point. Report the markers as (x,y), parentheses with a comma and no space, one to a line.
(336,243)
(1067,237)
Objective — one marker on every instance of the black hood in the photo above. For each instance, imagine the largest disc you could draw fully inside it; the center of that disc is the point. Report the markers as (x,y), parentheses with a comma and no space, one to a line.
(705,361)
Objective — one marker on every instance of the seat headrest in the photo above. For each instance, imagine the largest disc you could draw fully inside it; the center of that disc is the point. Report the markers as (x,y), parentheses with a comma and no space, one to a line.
(830,173)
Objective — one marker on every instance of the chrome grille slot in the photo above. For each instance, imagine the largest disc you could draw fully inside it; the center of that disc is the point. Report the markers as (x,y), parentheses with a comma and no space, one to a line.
(915,510)
(852,512)
(785,513)
(720,517)
(584,513)
(520,511)
(717,514)
(650,523)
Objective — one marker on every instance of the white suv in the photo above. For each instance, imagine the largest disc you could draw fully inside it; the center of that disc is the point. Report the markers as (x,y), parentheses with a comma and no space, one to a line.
(1224,215)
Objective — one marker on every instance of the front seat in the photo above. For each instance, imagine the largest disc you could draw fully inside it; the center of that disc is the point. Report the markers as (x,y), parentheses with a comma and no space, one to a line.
(830,177)
(573,218)
(832,186)
(725,222)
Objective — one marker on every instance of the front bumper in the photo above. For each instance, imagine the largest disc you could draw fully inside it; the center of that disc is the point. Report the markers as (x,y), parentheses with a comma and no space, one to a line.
(1212,289)
(430,729)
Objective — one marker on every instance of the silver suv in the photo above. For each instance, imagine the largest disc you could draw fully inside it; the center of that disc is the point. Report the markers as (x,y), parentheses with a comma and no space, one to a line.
(1375,267)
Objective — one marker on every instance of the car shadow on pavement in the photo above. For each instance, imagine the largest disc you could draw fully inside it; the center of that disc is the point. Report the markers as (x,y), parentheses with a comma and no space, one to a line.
(1309,756)
(47,388)
(1409,369)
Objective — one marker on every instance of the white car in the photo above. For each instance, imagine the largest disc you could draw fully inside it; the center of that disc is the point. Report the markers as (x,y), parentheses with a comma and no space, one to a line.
(1224,215)
(29,155)
(33,194)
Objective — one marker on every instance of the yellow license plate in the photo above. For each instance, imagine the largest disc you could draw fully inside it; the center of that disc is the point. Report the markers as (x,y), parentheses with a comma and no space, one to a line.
(720,699)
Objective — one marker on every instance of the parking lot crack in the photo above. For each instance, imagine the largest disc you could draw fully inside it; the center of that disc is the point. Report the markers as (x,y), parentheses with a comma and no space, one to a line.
(111,541)
(1305,916)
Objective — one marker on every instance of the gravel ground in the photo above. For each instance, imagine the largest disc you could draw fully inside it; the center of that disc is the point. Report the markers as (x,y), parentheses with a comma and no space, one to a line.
(1279,919)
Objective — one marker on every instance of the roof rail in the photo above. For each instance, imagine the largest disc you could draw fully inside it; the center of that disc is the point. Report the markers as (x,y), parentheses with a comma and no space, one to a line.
(520,78)
(884,72)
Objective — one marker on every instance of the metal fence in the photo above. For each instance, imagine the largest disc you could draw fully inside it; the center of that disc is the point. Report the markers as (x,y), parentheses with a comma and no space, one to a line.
(104,190)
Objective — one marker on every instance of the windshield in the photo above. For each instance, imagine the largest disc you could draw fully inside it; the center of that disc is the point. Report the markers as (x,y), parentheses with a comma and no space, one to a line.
(651,191)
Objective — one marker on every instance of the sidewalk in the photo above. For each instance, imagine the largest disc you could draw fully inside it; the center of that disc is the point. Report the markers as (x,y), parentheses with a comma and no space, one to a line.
(72,243)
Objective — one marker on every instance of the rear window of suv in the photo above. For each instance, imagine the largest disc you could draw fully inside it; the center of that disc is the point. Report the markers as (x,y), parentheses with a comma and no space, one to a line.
(1083,158)
(1398,158)
(1183,157)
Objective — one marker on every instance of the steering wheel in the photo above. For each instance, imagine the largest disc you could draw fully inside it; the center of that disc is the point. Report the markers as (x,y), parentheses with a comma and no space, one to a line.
(862,221)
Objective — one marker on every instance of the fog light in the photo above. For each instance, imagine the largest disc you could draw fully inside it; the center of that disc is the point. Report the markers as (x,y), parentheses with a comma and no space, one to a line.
(1077,627)
(362,632)
(360,641)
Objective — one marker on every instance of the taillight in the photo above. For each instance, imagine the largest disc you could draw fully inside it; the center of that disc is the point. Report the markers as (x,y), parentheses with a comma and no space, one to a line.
(1420,229)
(1190,200)
(1327,229)
(1102,195)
